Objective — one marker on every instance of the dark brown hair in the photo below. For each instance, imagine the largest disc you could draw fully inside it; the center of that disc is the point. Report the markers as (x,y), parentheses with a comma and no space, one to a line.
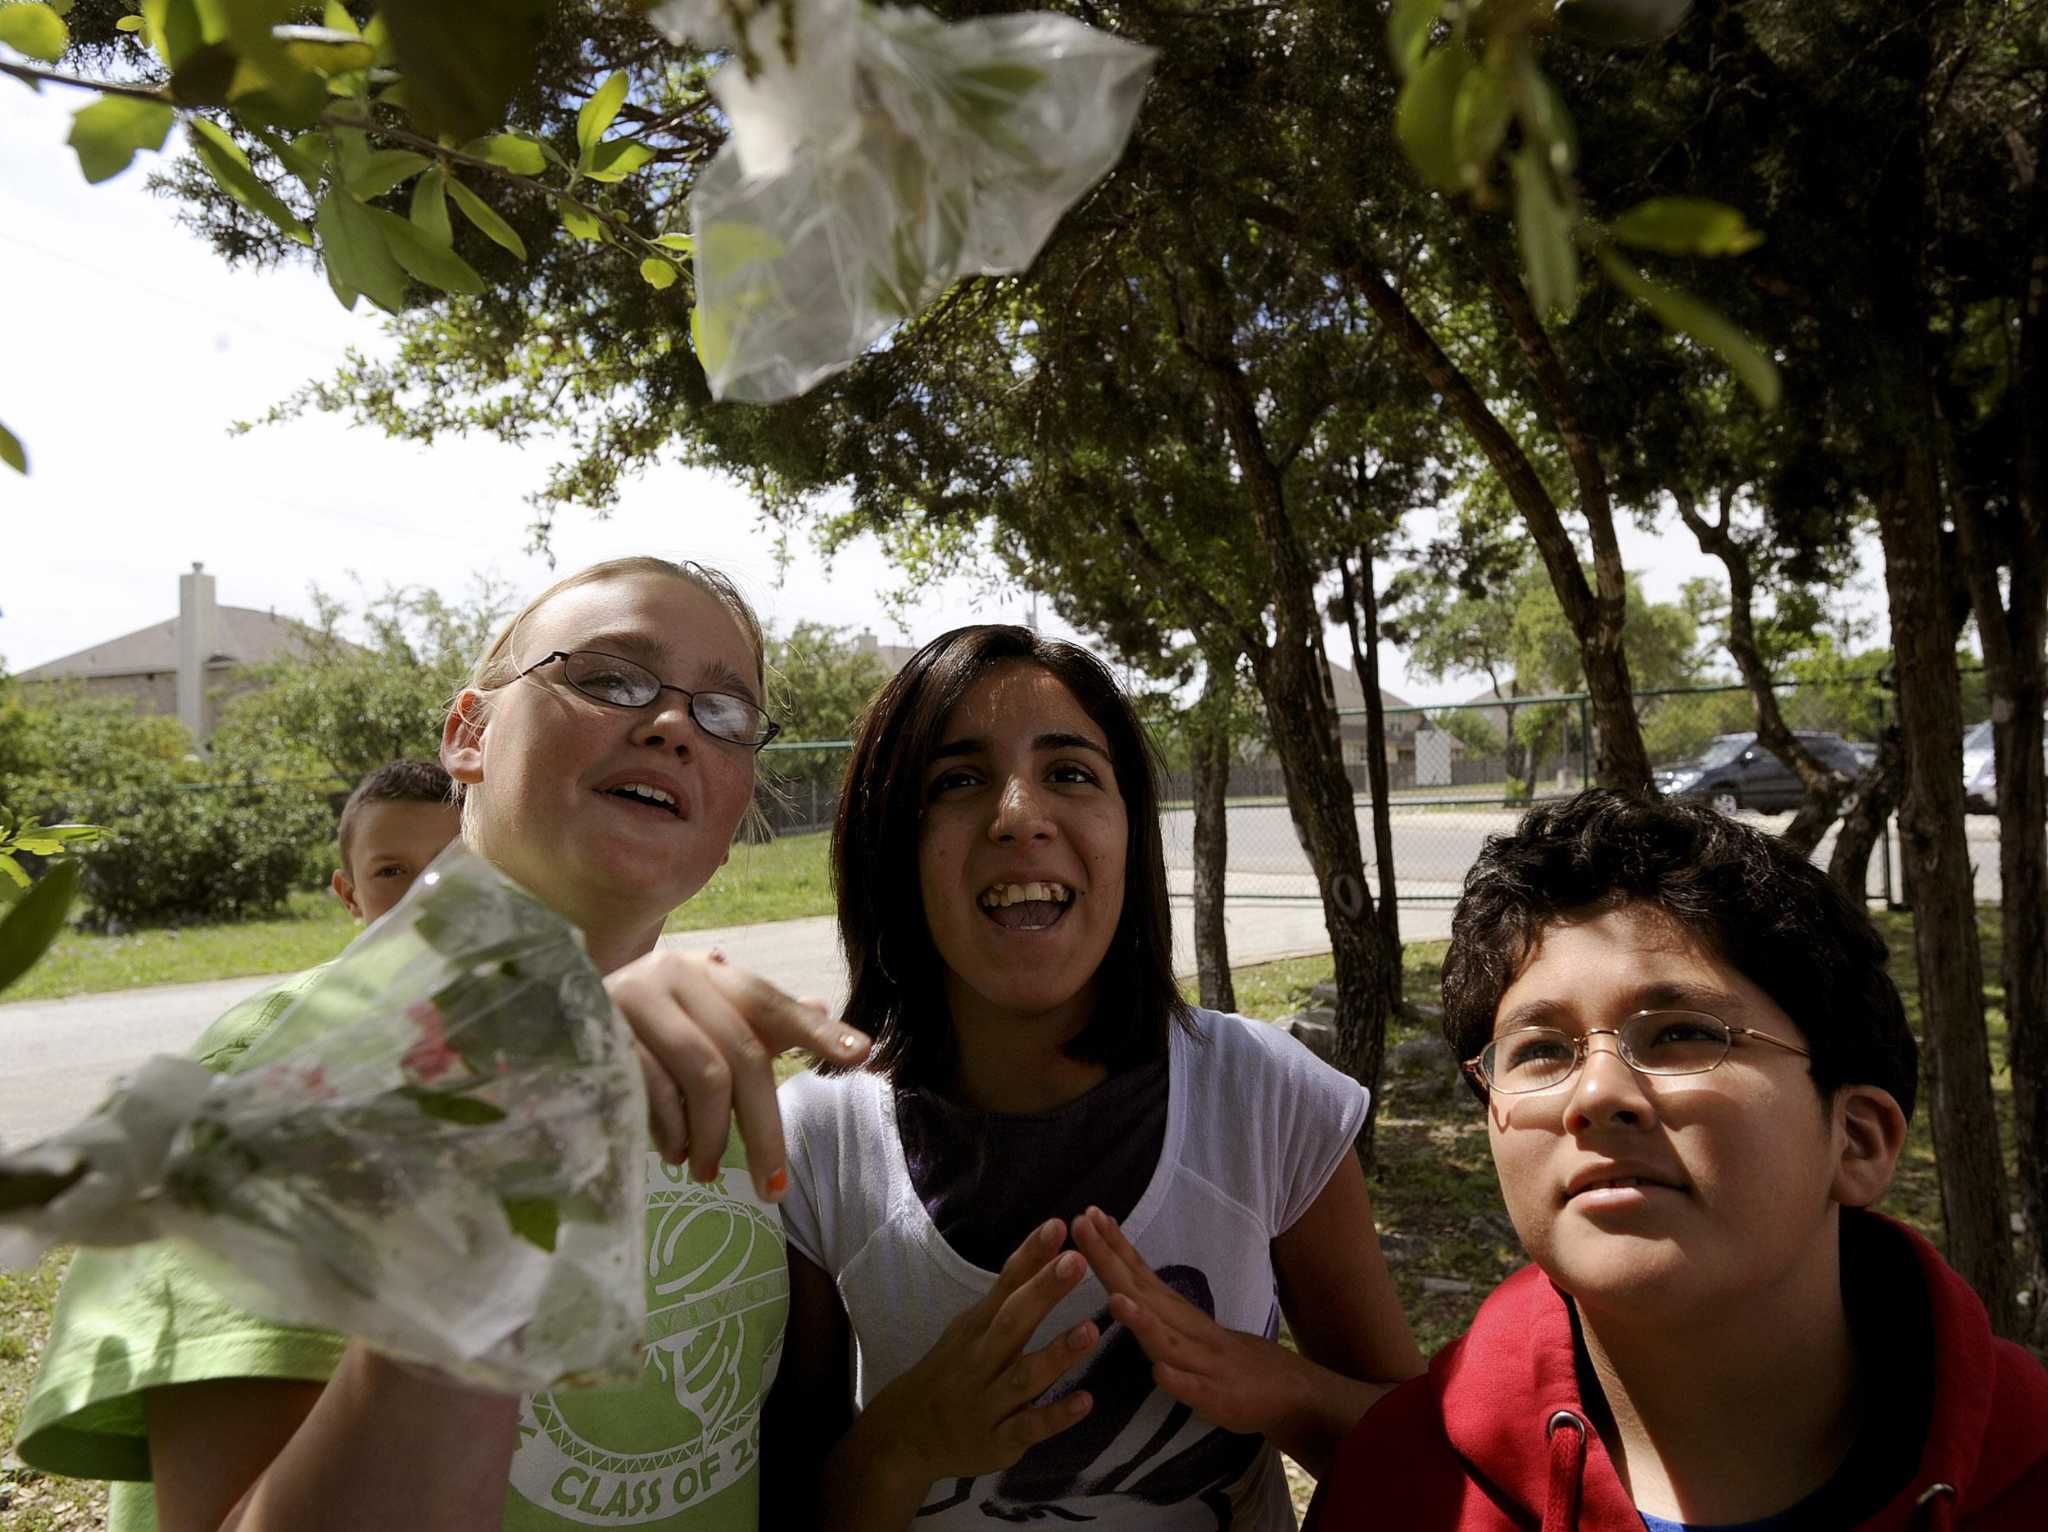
(1769,912)
(893,970)
(393,782)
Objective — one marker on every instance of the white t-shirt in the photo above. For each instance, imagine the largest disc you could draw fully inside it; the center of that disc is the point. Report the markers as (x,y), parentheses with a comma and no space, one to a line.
(1255,1127)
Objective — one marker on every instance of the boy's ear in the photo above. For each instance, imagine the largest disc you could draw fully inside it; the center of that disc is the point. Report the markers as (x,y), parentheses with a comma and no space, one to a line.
(1873,1133)
(462,739)
(345,890)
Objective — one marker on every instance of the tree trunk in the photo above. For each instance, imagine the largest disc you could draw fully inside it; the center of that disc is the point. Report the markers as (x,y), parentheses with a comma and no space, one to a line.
(1956,1061)
(1294,679)
(1362,621)
(1212,751)
(1878,792)
(1825,787)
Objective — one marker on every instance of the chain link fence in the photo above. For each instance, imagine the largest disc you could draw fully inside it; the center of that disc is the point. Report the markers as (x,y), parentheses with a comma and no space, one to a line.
(1457,774)
(1462,772)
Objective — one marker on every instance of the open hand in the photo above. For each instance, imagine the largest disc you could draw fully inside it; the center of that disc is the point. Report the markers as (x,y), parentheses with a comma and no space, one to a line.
(966,1408)
(1237,1381)
(707,1034)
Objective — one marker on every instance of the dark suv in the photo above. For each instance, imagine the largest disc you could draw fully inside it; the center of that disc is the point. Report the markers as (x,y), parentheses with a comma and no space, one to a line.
(1732,771)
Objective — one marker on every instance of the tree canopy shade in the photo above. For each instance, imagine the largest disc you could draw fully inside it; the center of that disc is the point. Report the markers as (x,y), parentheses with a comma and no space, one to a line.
(1354,257)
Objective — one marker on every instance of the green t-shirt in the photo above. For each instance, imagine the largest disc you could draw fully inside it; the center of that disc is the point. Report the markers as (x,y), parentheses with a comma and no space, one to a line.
(678,1452)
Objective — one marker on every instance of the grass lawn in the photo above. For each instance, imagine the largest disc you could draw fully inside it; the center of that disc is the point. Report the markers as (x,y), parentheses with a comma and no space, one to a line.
(780,880)
(1447,1239)
(313,928)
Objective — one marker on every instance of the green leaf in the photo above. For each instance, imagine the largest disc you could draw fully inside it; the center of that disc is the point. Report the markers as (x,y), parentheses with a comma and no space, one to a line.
(729,245)
(430,207)
(358,261)
(1684,313)
(467,1111)
(460,74)
(34,921)
(305,157)
(14,870)
(1686,226)
(336,15)
(383,170)
(681,242)
(1422,115)
(534,1219)
(129,24)
(35,30)
(224,158)
(107,133)
(515,153)
(1008,79)
(659,274)
(1543,224)
(710,338)
(1408,27)
(480,213)
(1622,23)
(204,76)
(598,114)
(434,264)
(1479,123)
(618,159)
(174,29)
(581,222)
(326,51)
(12,452)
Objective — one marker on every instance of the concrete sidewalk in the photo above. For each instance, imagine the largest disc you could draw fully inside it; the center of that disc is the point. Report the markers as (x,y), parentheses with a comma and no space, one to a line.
(62,1055)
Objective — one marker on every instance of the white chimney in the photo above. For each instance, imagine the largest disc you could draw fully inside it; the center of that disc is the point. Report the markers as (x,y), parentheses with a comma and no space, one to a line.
(197,632)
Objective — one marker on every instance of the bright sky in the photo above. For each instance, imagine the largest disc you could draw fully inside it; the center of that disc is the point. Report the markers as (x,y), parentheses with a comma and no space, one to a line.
(128,349)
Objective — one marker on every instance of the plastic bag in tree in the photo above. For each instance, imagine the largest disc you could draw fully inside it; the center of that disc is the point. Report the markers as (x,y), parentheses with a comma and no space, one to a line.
(438,1148)
(878,156)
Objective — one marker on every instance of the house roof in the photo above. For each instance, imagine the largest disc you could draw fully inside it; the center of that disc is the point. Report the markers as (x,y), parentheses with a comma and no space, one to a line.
(242,636)
(1351,694)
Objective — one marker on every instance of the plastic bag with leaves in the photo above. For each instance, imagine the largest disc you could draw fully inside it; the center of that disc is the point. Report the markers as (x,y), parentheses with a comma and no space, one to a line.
(439,1147)
(877,156)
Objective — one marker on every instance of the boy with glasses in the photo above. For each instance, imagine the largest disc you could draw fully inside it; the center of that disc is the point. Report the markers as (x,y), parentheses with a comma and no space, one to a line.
(1697,1077)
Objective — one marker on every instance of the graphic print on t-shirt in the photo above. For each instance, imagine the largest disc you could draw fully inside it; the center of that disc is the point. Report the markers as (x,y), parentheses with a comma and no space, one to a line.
(717,1296)
(1136,1441)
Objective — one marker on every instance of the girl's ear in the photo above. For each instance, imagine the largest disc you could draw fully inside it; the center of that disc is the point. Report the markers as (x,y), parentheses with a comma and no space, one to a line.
(462,739)
(1872,1134)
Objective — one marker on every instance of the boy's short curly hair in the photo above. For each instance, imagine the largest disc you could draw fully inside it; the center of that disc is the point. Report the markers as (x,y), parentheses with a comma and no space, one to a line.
(1777,918)
(393,782)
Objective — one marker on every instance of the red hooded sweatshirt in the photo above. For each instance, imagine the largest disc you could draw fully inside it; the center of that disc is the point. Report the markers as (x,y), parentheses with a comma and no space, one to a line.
(1494,1437)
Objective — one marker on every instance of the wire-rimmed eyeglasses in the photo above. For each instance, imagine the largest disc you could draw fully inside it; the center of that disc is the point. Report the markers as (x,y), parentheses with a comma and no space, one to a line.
(620,683)
(1650,1042)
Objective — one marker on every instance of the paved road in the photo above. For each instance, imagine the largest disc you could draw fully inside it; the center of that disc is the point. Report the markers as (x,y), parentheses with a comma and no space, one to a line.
(61,1055)
(1434,846)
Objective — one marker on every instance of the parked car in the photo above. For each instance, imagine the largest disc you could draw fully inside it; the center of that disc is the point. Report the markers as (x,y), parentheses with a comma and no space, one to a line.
(1980,768)
(1732,771)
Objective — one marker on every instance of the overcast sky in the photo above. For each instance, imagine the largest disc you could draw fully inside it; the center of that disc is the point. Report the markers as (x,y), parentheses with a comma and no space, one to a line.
(129,347)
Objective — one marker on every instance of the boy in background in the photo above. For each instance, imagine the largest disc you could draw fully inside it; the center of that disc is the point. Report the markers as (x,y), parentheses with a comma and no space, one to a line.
(394,823)
(1697,1075)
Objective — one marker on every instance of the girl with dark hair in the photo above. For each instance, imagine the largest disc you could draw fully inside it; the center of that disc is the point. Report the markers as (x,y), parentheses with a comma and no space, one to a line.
(1036,1078)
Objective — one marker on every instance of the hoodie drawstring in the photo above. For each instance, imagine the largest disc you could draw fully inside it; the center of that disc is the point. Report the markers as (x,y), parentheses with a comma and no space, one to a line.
(1935,1510)
(1567,1472)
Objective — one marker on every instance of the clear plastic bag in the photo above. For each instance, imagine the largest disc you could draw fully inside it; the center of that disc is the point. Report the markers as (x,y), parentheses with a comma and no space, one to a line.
(439,1148)
(877,156)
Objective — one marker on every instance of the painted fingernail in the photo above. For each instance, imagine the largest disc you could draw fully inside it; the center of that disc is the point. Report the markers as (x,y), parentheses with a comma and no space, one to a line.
(777,1184)
(716,954)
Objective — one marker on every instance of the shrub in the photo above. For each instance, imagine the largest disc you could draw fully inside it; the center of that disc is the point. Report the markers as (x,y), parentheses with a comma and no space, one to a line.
(226,847)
